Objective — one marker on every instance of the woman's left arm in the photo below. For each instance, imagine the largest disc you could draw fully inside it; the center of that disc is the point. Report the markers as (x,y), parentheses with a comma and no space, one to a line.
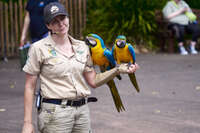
(94,80)
(90,78)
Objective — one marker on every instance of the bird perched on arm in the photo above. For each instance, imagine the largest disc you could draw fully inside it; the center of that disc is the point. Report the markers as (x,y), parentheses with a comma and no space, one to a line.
(102,57)
(123,52)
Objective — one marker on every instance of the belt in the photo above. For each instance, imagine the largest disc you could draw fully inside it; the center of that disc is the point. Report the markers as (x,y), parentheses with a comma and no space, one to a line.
(74,103)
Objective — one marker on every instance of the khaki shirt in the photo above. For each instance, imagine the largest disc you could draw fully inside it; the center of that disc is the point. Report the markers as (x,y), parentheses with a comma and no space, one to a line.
(60,76)
(171,8)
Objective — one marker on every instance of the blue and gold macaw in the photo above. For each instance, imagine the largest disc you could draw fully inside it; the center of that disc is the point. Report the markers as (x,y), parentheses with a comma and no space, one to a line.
(102,57)
(123,52)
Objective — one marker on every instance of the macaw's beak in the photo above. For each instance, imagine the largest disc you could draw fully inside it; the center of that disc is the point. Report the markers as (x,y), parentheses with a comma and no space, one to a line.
(120,43)
(90,41)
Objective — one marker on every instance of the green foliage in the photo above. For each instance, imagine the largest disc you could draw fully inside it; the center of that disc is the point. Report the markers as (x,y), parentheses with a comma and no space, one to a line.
(193,3)
(132,18)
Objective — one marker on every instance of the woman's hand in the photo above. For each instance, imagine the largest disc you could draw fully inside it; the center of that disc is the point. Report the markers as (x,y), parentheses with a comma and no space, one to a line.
(183,10)
(132,68)
(126,68)
(28,128)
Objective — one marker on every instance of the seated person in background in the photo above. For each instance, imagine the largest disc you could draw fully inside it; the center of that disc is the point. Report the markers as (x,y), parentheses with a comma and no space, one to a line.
(182,19)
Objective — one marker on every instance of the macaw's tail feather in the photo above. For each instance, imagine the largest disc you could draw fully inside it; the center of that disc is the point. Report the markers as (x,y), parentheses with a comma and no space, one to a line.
(116,97)
(134,81)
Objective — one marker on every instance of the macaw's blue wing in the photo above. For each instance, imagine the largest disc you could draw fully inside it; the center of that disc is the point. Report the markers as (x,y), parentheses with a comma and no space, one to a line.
(131,50)
(132,76)
(108,54)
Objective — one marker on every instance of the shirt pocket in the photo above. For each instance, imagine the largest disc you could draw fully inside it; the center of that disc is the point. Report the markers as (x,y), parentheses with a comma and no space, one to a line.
(53,66)
(81,58)
(80,62)
(54,61)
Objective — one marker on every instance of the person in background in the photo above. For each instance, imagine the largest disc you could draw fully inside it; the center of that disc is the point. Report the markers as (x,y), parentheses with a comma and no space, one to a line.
(34,21)
(66,71)
(182,20)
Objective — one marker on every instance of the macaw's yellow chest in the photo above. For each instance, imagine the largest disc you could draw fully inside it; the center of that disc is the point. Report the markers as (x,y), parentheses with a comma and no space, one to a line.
(123,55)
(98,57)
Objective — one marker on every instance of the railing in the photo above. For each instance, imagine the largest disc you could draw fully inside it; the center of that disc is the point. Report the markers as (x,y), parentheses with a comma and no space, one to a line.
(12,18)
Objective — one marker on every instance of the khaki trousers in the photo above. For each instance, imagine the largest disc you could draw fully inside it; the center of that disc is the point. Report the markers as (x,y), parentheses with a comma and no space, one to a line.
(54,118)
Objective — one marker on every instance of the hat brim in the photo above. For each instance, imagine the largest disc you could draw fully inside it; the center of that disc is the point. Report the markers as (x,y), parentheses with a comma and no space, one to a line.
(57,14)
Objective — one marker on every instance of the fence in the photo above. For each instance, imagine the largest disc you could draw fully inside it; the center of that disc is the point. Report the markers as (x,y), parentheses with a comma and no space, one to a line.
(12,17)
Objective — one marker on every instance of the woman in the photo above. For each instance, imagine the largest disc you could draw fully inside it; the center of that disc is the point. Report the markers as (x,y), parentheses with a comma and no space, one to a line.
(65,70)
(182,19)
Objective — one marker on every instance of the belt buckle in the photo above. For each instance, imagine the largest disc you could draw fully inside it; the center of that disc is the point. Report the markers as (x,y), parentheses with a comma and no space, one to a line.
(78,102)
(64,103)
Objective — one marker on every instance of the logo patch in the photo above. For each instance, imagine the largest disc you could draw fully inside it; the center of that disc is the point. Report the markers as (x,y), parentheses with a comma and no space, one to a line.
(80,52)
(52,52)
(54,9)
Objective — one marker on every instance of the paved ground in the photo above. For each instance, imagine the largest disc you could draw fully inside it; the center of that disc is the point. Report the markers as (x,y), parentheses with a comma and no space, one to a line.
(169,101)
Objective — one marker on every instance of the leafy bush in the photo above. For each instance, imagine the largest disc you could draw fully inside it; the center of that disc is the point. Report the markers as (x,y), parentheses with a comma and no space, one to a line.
(132,18)
(193,3)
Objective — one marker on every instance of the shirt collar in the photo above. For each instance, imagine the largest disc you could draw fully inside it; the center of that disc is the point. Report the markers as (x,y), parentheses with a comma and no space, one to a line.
(75,43)
(50,42)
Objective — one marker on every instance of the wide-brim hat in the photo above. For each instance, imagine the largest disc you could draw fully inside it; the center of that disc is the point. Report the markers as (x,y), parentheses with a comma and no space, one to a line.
(52,10)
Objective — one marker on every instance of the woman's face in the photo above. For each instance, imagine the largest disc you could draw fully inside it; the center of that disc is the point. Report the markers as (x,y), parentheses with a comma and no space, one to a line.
(176,0)
(59,25)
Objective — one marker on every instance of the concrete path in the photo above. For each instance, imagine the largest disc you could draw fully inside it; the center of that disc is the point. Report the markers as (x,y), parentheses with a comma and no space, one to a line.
(169,101)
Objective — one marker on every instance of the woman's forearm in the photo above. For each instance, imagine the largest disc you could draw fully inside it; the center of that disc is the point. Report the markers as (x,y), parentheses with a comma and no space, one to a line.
(28,104)
(177,13)
(29,91)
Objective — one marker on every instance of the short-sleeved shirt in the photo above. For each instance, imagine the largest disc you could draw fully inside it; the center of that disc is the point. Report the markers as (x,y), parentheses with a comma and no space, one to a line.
(61,77)
(35,9)
(171,8)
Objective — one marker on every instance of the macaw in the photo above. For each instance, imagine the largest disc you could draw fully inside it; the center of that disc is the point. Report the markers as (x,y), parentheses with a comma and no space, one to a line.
(102,57)
(123,52)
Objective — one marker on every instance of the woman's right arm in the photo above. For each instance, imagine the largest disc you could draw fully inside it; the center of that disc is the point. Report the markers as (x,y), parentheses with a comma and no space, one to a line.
(183,10)
(29,91)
